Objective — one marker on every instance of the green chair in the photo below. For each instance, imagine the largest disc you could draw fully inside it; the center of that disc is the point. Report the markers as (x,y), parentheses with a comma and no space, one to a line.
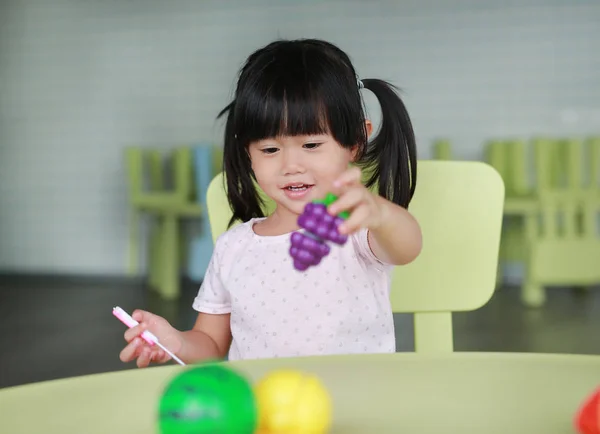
(558,193)
(594,158)
(459,207)
(562,237)
(510,159)
(442,149)
(166,205)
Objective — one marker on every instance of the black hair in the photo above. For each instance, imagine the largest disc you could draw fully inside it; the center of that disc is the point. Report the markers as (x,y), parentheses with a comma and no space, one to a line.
(309,86)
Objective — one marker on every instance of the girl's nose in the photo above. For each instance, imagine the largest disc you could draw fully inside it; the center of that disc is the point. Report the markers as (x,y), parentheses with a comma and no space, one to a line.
(292,163)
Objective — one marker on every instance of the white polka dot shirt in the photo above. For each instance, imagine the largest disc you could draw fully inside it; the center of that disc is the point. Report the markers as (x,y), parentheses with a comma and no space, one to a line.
(340,306)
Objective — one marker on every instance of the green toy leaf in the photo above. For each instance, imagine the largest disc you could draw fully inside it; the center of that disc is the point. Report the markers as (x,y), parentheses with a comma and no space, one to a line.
(328,200)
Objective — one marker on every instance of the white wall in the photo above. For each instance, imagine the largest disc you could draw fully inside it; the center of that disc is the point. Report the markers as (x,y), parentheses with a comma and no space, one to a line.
(79,81)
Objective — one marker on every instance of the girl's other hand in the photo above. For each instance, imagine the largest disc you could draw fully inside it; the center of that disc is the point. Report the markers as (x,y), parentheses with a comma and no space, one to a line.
(138,348)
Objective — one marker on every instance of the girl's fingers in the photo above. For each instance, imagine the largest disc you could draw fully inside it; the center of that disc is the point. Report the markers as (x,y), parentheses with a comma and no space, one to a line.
(350,176)
(158,355)
(143,316)
(347,201)
(161,357)
(133,332)
(138,315)
(144,354)
(130,351)
(356,220)
(144,357)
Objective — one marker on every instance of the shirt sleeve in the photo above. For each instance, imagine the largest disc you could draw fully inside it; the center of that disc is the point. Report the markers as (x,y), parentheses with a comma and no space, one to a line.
(212,296)
(361,244)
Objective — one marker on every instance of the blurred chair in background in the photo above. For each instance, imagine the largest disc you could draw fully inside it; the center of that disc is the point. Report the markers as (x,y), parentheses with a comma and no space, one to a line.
(510,159)
(166,205)
(207,163)
(563,241)
(551,214)
(442,150)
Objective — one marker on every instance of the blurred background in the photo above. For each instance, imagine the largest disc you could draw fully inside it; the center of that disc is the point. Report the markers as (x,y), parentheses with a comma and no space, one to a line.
(107,104)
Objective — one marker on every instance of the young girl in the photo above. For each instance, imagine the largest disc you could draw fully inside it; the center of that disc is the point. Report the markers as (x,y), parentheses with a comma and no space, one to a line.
(297,128)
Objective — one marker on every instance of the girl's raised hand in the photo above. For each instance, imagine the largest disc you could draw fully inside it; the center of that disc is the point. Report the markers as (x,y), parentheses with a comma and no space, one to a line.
(138,348)
(365,208)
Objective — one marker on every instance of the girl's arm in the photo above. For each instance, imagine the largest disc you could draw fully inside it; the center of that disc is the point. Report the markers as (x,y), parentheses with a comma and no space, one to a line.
(210,338)
(394,234)
(397,239)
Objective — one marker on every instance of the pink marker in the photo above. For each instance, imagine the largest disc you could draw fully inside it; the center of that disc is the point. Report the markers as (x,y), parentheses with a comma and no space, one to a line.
(126,319)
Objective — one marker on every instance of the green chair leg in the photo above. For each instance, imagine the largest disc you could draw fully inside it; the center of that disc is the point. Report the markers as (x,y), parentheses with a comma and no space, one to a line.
(433,332)
(533,294)
(170,258)
(442,150)
(166,204)
(133,242)
(155,272)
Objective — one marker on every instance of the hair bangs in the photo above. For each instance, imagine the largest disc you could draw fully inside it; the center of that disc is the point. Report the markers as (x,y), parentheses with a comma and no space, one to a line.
(285,108)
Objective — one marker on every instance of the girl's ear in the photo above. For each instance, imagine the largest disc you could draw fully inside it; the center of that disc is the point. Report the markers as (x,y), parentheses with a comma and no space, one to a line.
(355,148)
(369,127)
(353,153)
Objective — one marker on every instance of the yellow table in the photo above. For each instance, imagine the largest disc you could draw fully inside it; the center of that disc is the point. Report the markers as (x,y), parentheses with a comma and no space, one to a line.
(397,393)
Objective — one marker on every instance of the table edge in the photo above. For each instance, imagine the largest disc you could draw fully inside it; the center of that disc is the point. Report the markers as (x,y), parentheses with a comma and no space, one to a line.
(328,360)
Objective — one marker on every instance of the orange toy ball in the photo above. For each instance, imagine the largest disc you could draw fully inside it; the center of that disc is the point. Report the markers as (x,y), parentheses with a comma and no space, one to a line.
(587,420)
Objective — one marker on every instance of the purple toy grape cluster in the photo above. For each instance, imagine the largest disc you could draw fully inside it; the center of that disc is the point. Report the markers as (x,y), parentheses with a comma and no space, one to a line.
(308,249)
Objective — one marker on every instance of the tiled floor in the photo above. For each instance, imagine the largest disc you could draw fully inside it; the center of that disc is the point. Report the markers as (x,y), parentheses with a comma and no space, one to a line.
(57,327)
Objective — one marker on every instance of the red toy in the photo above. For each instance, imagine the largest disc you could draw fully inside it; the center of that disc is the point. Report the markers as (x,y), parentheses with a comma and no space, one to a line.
(587,420)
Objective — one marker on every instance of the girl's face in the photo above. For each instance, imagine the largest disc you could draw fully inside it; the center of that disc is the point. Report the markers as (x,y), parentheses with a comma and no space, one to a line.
(295,170)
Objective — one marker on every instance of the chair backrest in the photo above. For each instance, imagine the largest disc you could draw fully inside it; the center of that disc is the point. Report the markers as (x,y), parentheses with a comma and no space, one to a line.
(149,187)
(459,206)
(563,234)
(442,149)
(594,156)
(144,163)
(510,159)
(568,208)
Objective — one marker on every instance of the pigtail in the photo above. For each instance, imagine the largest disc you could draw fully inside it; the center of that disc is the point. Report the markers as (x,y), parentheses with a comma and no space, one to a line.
(242,195)
(391,156)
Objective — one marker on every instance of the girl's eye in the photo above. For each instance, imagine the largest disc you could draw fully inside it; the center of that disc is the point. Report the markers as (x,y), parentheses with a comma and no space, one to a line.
(269,150)
(312,145)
